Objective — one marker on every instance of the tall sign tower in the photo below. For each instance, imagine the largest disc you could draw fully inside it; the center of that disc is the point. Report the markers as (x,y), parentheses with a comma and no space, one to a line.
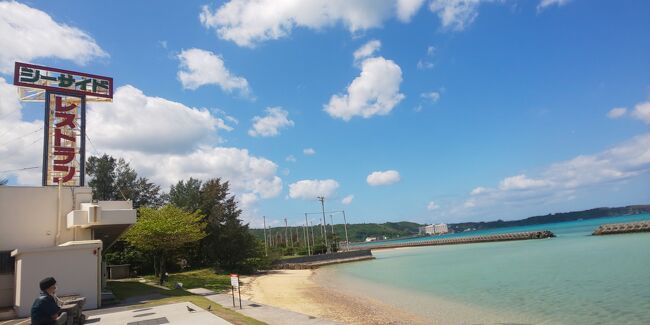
(65,94)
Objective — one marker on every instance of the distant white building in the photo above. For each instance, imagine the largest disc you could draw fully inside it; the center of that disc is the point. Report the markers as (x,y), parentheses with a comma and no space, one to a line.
(435,229)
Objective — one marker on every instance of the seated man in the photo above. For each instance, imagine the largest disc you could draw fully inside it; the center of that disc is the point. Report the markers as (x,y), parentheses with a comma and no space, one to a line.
(45,310)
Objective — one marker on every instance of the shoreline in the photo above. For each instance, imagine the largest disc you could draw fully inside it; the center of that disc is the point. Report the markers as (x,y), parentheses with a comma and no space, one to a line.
(297,290)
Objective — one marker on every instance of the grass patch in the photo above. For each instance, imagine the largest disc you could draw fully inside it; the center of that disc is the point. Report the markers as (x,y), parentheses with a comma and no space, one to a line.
(202,278)
(128,289)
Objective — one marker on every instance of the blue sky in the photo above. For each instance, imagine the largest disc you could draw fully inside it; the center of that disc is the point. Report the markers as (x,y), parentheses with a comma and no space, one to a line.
(457,110)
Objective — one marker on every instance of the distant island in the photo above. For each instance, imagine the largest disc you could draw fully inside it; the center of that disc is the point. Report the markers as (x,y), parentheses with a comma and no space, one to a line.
(359,232)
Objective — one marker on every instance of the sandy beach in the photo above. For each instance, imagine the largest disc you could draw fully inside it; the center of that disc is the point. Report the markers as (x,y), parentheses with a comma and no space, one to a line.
(296,290)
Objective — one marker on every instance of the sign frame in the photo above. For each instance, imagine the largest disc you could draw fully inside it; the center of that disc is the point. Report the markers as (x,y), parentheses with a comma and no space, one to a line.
(69,91)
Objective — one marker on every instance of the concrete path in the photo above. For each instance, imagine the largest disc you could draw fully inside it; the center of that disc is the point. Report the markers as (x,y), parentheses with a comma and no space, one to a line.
(176,314)
(265,313)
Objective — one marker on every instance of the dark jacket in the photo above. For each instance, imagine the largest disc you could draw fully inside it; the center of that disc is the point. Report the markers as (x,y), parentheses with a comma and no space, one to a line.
(43,309)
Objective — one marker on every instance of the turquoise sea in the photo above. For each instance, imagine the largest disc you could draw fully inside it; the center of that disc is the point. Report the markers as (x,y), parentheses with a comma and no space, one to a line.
(574,278)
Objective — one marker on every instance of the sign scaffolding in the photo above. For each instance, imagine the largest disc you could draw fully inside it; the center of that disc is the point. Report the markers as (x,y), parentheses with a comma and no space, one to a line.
(65,94)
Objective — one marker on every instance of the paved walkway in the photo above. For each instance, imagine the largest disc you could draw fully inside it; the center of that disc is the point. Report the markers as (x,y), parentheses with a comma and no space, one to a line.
(265,313)
(177,314)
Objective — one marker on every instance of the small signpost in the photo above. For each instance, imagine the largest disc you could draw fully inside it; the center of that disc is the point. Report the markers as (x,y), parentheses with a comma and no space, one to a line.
(234,283)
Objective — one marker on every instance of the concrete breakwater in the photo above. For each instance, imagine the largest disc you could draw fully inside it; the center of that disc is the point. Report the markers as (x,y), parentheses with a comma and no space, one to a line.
(467,240)
(622,228)
(314,261)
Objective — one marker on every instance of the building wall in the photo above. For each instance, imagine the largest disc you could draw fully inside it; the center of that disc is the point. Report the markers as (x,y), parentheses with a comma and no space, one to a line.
(28,215)
(6,290)
(75,268)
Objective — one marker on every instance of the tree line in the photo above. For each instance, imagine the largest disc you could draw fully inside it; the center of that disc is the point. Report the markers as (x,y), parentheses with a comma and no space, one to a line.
(195,224)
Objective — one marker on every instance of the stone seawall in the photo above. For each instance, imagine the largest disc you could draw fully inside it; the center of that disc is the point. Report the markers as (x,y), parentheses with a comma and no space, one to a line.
(623,228)
(315,261)
(468,240)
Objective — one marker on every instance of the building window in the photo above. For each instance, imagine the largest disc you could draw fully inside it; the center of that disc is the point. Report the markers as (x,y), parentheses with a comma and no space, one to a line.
(7,262)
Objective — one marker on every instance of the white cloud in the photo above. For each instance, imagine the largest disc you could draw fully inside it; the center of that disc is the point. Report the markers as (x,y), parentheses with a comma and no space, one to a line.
(407,8)
(374,92)
(562,180)
(456,15)
(27,34)
(424,65)
(269,126)
(432,206)
(521,182)
(199,67)
(248,22)
(642,112)
(309,189)
(367,50)
(478,190)
(290,158)
(433,96)
(431,50)
(309,152)
(617,112)
(348,199)
(21,142)
(387,177)
(543,4)
(135,121)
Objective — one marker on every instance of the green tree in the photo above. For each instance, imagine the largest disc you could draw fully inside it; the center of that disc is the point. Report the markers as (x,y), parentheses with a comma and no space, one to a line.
(114,179)
(164,231)
(186,194)
(102,176)
(229,245)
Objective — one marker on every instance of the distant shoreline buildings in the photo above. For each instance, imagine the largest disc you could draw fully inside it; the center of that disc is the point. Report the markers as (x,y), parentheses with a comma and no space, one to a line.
(434,229)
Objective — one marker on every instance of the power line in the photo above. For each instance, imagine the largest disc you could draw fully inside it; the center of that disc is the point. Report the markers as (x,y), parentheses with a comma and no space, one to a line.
(14,111)
(22,136)
(17,170)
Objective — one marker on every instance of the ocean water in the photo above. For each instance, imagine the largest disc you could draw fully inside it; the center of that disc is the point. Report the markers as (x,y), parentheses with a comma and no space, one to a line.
(574,278)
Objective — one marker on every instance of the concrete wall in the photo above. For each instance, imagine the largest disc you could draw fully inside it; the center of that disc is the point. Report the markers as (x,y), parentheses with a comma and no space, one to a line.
(28,215)
(75,267)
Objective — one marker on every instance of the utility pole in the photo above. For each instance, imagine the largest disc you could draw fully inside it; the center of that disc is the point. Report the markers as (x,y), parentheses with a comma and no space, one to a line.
(266,252)
(347,241)
(286,239)
(322,204)
(304,231)
(307,234)
(332,223)
(313,242)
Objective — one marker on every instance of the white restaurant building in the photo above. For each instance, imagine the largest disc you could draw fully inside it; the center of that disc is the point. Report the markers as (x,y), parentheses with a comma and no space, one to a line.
(59,232)
(435,229)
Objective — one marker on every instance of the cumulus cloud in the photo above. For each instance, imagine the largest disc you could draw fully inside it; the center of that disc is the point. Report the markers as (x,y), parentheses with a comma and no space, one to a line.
(521,182)
(407,8)
(135,121)
(248,22)
(642,112)
(617,112)
(456,15)
(269,126)
(21,142)
(374,92)
(309,152)
(290,158)
(424,64)
(432,206)
(27,34)
(199,67)
(547,3)
(367,50)
(432,96)
(379,178)
(309,189)
(560,181)
(348,199)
